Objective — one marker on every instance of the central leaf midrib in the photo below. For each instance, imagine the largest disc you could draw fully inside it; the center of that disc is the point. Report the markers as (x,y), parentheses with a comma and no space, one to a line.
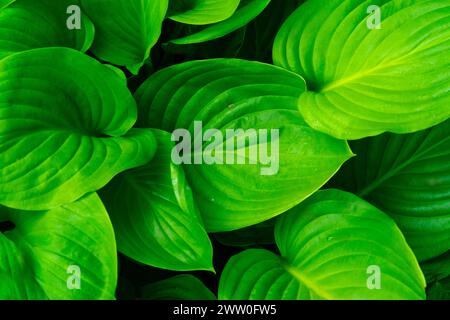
(298,275)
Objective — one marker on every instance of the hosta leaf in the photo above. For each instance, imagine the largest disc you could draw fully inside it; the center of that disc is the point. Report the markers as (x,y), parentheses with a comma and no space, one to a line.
(38,256)
(5,3)
(126,30)
(199,12)
(154,216)
(440,290)
(408,177)
(31,24)
(65,124)
(329,244)
(182,287)
(437,268)
(261,32)
(364,81)
(247,11)
(236,94)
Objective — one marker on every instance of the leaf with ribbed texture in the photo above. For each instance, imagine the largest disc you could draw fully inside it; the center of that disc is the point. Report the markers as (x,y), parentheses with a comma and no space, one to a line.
(328,245)
(408,177)
(38,256)
(437,268)
(247,11)
(154,215)
(364,81)
(200,12)
(260,33)
(235,94)
(5,3)
(181,287)
(31,24)
(65,123)
(126,30)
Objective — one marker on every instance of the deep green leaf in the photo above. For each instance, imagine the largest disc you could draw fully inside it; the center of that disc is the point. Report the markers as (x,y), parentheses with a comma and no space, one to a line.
(440,290)
(247,11)
(329,245)
(65,124)
(364,81)
(37,256)
(154,215)
(408,177)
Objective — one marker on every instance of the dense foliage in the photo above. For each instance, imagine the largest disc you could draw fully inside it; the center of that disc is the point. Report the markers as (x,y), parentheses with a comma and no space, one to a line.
(353,204)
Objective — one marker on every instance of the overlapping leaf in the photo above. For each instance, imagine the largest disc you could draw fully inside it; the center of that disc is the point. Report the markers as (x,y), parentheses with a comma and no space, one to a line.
(65,124)
(408,177)
(329,245)
(126,30)
(37,257)
(154,216)
(364,81)
(230,95)
(31,24)
(200,12)
(247,11)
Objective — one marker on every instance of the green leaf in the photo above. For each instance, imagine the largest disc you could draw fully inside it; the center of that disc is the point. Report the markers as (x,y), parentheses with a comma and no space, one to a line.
(126,30)
(437,269)
(408,177)
(329,245)
(5,3)
(154,215)
(440,290)
(65,124)
(236,94)
(247,11)
(181,287)
(200,12)
(364,81)
(38,256)
(260,33)
(31,24)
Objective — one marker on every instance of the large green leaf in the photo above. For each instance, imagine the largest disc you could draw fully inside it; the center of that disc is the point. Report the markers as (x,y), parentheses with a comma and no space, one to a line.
(199,12)
(30,24)
(236,94)
(65,124)
(364,81)
(126,30)
(261,32)
(154,215)
(247,11)
(181,287)
(38,257)
(408,177)
(330,246)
